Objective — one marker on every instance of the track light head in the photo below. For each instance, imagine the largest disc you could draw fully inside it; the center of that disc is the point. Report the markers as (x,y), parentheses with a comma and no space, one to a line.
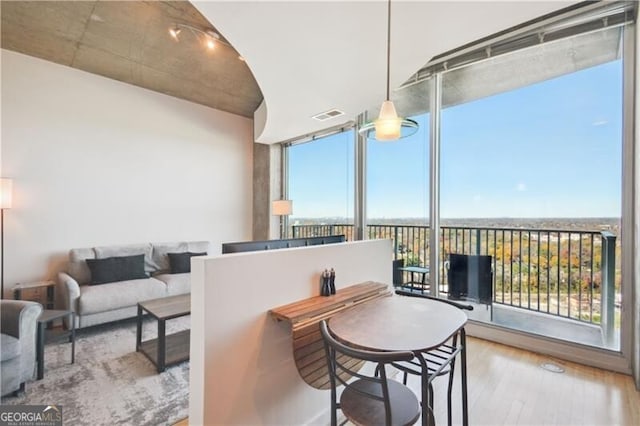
(174,32)
(210,38)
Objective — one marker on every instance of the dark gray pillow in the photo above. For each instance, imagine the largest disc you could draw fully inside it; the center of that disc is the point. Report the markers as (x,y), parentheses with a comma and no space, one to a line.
(112,269)
(180,263)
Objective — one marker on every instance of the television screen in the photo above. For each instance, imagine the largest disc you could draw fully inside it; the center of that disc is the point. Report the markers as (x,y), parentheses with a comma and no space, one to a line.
(242,246)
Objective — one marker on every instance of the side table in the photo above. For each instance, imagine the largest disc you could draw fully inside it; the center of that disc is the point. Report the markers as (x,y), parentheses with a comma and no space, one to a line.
(49,284)
(416,270)
(46,317)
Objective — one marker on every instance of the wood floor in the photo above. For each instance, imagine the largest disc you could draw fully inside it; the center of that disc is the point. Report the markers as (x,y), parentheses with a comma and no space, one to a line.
(507,386)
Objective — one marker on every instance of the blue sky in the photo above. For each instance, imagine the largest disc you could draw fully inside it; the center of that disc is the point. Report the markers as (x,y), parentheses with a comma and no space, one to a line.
(552,149)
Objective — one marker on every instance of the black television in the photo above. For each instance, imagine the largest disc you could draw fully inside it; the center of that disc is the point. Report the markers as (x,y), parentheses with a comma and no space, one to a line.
(243,246)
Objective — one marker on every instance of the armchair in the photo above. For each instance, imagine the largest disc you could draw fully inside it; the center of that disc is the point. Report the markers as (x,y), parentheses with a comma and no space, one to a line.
(18,323)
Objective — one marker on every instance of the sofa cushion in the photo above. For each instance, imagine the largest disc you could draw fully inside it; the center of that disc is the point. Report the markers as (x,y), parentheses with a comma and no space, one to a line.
(181,262)
(176,283)
(122,268)
(159,255)
(121,294)
(128,250)
(78,269)
(199,247)
(9,346)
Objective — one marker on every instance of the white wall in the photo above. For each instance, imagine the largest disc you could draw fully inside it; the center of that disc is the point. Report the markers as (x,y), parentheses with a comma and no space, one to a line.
(96,162)
(242,367)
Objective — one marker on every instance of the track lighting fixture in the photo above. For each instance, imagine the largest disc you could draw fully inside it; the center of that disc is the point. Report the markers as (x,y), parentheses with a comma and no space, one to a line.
(174,31)
(209,37)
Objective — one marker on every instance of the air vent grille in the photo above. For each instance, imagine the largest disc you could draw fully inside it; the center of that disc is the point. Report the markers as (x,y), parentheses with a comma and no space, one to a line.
(323,116)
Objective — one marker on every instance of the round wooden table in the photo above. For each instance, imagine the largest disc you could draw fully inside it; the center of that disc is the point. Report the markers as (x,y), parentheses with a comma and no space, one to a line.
(398,323)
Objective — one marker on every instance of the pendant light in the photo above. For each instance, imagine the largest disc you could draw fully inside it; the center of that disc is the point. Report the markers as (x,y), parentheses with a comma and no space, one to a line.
(388,126)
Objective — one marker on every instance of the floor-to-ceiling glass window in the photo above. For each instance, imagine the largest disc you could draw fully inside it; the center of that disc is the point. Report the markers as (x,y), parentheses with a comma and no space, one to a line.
(397,177)
(320,184)
(530,180)
(531,168)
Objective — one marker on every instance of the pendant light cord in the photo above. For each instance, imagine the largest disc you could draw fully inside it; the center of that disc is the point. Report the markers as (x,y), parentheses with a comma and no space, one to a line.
(388,44)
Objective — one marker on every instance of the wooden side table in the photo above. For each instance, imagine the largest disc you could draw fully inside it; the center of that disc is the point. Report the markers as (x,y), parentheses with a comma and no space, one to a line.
(46,317)
(50,285)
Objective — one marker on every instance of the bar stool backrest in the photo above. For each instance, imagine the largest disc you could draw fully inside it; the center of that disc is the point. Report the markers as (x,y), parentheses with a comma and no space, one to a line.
(367,398)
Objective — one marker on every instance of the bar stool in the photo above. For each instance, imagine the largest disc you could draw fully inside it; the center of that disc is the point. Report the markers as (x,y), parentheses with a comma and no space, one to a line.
(370,399)
(437,362)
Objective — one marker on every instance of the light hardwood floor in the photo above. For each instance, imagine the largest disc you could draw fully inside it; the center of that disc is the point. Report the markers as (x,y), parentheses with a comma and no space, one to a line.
(507,386)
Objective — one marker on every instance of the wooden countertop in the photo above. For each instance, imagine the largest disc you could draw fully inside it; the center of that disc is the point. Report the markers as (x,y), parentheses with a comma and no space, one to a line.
(305,316)
(320,307)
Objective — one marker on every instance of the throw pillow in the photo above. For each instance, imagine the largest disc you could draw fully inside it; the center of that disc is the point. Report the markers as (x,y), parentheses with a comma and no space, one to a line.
(120,268)
(181,262)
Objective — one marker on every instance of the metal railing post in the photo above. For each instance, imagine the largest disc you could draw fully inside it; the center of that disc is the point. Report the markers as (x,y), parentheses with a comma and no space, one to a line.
(477,241)
(395,243)
(608,288)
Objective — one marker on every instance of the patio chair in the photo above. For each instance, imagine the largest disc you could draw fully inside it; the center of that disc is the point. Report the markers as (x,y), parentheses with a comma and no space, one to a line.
(397,273)
(440,361)
(470,277)
(370,399)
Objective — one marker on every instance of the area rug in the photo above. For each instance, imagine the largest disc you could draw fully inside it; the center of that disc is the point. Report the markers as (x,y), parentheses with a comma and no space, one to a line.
(110,383)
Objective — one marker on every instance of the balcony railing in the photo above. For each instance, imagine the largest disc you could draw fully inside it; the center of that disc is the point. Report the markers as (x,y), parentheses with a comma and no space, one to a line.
(566,273)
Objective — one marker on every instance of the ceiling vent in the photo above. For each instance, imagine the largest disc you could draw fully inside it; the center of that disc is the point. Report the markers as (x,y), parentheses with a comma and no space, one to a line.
(323,116)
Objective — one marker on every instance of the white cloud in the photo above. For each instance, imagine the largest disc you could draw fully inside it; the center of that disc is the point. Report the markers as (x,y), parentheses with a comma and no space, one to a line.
(521,187)
(600,122)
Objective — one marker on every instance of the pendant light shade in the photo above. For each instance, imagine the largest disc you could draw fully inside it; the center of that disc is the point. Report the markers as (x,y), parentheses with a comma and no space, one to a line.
(388,126)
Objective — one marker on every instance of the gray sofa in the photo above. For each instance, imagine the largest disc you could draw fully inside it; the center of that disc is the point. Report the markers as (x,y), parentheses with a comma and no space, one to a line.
(97,304)
(18,344)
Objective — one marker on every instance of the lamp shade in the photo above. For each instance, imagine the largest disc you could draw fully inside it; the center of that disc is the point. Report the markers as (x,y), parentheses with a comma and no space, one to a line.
(388,123)
(387,130)
(6,193)
(282,207)
(388,126)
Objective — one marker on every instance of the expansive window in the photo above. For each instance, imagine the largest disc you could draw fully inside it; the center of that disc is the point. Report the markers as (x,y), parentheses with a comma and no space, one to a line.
(398,194)
(321,185)
(531,176)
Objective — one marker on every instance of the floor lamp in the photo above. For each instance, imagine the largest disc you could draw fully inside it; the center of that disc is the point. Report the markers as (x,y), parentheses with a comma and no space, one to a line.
(282,208)
(6,187)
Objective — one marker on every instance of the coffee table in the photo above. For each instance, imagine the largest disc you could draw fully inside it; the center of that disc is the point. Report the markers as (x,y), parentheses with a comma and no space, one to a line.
(170,349)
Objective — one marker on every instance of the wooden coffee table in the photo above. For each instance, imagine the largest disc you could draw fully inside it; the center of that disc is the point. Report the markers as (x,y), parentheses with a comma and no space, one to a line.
(170,349)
